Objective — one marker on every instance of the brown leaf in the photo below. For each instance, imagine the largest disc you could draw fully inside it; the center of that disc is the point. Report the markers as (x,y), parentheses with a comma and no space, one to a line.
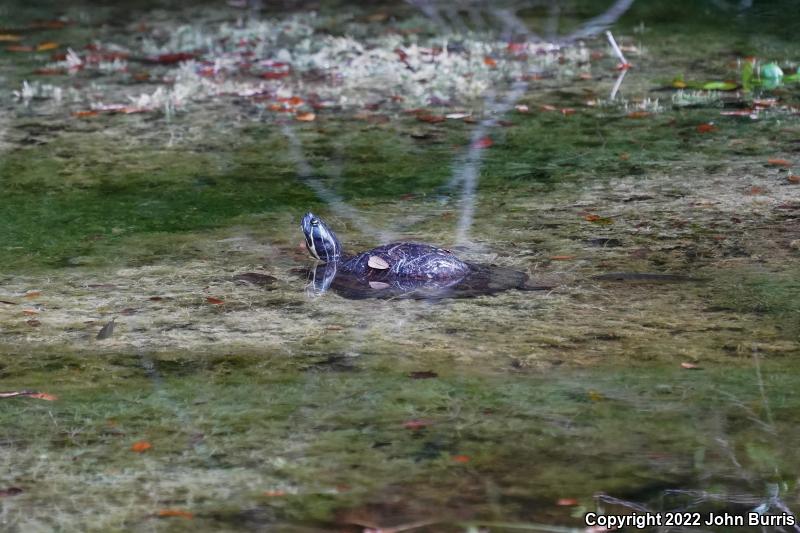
(306,117)
(215,301)
(85,113)
(431,119)
(690,366)
(489,62)
(10,491)
(423,374)
(47,45)
(706,128)
(43,396)
(638,114)
(32,294)
(19,48)
(30,312)
(463,459)
(179,513)
(562,257)
(9,38)
(779,163)
(378,263)
(755,190)
(566,502)
(792,178)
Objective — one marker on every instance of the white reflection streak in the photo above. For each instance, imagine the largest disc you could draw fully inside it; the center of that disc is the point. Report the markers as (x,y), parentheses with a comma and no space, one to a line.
(339,206)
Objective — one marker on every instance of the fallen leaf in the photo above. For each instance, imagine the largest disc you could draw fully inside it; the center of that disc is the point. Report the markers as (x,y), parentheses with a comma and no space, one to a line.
(45,46)
(106,331)
(141,446)
(562,257)
(595,396)
(461,459)
(706,128)
(86,113)
(377,263)
(32,294)
(180,513)
(597,219)
(489,62)
(793,178)
(422,374)
(49,71)
(521,108)
(431,119)
(483,142)
(19,48)
(638,114)
(30,312)
(215,301)
(567,111)
(755,190)
(584,76)
(305,117)
(548,107)
(43,396)
(29,394)
(566,502)
(293,101)
(679,84)
(155,298)
(171,59)
(779,163)
(9,38)
(416,424)
(274,493)
(275,75)
(690,366)
(456,116)
(10,491)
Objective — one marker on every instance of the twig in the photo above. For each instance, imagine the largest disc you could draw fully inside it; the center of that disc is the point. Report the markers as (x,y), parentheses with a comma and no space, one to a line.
(623,62)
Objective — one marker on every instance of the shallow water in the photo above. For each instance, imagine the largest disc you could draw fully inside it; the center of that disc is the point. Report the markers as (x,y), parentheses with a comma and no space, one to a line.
(658,370)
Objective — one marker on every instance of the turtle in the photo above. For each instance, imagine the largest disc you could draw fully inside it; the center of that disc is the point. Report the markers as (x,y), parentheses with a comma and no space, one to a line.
(394,261)
(399,270)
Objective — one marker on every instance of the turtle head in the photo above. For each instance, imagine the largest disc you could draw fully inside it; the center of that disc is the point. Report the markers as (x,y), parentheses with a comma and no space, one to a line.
(321,242)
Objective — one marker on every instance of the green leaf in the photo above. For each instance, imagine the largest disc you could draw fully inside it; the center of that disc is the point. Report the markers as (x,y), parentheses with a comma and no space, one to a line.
(720,86)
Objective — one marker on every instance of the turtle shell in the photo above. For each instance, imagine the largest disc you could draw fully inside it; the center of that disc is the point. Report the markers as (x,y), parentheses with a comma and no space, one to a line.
(406,260)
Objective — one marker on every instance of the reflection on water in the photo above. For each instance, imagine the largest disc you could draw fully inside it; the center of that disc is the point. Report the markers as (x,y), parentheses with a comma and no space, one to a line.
(481,280)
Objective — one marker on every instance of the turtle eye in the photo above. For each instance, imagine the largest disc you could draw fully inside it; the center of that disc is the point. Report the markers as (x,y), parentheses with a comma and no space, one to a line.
(314,222)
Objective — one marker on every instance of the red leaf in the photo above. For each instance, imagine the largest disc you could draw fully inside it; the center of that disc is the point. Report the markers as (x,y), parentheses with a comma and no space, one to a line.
(215,301)
(461,458)
(416,424)
(489,62)
(274,75)
(706,128)
(566,502)
(483,142)
(171,59)
(141,446)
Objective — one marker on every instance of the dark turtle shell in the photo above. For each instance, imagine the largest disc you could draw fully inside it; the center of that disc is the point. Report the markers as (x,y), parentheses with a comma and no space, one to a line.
(406,260)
